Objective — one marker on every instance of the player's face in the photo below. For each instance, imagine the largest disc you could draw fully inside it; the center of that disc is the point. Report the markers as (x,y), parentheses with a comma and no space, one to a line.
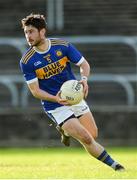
(33,36)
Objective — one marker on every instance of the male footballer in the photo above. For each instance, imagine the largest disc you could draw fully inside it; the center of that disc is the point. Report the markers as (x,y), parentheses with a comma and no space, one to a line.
(46,65)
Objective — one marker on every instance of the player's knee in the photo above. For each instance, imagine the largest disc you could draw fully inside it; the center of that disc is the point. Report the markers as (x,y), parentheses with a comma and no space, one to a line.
(95,133)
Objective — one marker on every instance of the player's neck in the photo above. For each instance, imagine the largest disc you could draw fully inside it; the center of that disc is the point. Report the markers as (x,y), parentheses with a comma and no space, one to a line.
(43,45)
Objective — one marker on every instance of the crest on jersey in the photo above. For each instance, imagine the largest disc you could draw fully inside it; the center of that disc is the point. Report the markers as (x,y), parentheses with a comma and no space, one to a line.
(58,53)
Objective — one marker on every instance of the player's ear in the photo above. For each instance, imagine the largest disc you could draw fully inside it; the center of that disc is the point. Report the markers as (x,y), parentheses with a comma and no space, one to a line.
(43,32)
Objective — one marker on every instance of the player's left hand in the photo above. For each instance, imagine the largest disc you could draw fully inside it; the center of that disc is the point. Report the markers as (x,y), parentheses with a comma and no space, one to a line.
(85,87)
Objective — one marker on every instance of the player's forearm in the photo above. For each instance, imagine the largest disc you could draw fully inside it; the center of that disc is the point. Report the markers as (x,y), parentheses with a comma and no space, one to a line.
(40,94)
(85,69)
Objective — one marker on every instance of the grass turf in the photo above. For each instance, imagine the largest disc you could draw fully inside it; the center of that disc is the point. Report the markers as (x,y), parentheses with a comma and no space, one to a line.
(64,163)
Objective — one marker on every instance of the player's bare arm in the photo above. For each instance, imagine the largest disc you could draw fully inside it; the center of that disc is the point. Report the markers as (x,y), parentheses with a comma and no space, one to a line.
(84,71)
(40,94)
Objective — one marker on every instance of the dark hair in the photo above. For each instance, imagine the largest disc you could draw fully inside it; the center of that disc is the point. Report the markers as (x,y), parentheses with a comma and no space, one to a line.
(36,20)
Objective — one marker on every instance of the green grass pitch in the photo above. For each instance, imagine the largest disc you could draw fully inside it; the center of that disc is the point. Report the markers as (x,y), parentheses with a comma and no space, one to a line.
(64,163)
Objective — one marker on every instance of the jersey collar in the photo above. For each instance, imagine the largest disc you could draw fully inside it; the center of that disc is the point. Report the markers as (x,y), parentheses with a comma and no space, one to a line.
(43,52)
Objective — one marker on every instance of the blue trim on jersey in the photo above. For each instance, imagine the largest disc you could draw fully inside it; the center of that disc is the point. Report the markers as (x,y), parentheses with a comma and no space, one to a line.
(52,68)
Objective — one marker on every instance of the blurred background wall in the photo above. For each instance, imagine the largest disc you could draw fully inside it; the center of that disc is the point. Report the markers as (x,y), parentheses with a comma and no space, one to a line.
(106,33)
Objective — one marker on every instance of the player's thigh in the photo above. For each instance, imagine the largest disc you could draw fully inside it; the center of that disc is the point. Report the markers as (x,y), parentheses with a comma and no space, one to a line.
(75,129)
(87,120)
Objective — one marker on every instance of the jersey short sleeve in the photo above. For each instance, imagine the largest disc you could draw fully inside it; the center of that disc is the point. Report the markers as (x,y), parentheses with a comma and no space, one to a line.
(28,71)
(74,55)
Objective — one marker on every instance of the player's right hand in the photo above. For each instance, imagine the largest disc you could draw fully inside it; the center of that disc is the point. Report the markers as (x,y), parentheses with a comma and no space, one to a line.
(60,100)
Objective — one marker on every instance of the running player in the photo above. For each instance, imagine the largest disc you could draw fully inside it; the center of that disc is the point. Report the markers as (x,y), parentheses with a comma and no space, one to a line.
(46,66)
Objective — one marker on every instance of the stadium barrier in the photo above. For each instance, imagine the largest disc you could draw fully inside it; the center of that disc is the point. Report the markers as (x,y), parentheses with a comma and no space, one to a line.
(10,82)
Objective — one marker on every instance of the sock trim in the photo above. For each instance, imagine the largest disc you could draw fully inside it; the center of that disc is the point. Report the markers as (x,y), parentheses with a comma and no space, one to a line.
(102,155)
